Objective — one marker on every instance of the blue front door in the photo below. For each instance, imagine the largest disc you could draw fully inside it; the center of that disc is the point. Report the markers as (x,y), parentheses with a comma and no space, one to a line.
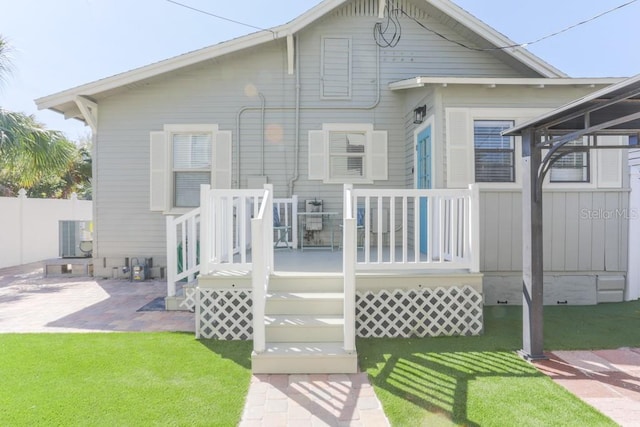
(423,180)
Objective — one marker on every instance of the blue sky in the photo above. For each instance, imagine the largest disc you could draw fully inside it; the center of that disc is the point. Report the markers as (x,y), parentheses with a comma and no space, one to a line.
(65,43)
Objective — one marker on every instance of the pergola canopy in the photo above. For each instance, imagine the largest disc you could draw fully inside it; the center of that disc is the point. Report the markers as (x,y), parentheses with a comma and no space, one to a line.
(614,110)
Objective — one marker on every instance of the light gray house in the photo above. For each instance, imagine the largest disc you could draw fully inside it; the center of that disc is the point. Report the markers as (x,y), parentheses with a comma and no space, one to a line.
(412,125)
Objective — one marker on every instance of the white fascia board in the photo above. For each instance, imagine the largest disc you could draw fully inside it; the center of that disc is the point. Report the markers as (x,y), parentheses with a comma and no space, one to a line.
(497,39)
(421,81)
(154,69)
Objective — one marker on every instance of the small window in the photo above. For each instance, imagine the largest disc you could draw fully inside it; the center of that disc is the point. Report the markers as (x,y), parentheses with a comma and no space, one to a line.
(191,167)
(572,167)
(494,153)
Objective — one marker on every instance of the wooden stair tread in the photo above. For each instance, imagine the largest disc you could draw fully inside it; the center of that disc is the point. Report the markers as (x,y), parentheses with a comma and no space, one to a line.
(303,320)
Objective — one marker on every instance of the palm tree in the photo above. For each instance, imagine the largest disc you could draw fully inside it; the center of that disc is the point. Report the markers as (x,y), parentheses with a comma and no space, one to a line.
(28,151)
(5,60)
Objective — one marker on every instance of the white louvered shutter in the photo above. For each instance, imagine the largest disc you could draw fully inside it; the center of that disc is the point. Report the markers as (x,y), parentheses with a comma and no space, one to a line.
(221,178)
(317,157)
(379,156)
(459,149)
(609,162)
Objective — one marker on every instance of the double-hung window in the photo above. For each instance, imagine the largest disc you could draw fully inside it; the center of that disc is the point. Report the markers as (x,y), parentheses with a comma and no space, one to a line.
(347,151)
(344,153)
(573,166)
(494,153)
(182,158)
(191,167)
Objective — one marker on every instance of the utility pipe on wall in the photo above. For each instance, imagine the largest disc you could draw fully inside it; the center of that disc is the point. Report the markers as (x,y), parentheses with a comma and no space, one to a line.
(298,108)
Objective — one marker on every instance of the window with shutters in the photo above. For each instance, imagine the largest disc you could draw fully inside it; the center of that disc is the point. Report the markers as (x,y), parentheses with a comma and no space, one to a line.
(182,158)
(348,153)
(191,167)
(494,153)
(574,166)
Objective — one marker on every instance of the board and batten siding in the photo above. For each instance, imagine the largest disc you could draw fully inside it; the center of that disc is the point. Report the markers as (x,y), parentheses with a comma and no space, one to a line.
(584,231)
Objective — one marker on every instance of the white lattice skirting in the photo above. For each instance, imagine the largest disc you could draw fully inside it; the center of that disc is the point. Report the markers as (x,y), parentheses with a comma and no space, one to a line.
(227,314)
(419,312)
(224,314)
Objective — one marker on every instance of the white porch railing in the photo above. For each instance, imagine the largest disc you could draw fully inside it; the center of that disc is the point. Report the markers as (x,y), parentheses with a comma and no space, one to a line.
(349,227)
(418,229)
(288,211)
(183,241)
(225,228)
(262,243)
(224,218)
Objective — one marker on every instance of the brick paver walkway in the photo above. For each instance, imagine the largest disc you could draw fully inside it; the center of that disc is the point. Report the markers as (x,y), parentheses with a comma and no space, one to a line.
(608,380)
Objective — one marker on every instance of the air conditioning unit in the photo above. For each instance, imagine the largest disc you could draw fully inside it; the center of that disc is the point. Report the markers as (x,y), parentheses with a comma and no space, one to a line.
(75,239)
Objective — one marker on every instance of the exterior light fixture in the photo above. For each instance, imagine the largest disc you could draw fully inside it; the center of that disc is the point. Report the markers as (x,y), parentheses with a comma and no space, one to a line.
(419,114)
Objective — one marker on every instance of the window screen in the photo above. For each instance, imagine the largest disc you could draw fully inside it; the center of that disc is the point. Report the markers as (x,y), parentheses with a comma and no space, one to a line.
(572,167)
(347,154)
(191,167)
(494,153)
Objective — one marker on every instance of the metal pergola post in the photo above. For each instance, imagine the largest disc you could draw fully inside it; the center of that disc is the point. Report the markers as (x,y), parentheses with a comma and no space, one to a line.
(532,266)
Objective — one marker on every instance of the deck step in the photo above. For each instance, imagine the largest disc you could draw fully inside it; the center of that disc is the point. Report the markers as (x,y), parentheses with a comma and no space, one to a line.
(327,303)
(309,282)
(304,358)
(304,328)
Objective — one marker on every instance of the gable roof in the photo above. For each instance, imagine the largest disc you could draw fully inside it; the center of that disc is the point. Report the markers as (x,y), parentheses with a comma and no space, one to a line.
(65,102)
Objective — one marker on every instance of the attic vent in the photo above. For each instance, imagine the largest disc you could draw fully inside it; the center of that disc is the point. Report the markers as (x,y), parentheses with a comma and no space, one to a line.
(370,8)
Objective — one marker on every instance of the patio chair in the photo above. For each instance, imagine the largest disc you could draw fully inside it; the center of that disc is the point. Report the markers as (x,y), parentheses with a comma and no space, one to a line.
(282,231)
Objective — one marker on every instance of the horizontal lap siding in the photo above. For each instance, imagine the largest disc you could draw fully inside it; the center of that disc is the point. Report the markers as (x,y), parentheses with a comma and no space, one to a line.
(216,91)
(205,94)
(582,231)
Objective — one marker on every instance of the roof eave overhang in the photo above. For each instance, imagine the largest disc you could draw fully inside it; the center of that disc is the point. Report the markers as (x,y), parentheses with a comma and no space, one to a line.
(421,81)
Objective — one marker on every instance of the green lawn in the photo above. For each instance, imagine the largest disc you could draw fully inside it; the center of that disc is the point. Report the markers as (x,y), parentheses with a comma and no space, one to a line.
(481,381)
(133,379)
(123,379)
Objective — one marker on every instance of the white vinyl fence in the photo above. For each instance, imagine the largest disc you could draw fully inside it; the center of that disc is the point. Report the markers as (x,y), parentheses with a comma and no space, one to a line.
(29,228)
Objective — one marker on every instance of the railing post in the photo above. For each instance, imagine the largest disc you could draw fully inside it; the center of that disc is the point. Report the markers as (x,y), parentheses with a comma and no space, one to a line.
(172,261)
(474,227)
(294,221)
(268,226)
(349,270)
(257,282)
(205,229)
